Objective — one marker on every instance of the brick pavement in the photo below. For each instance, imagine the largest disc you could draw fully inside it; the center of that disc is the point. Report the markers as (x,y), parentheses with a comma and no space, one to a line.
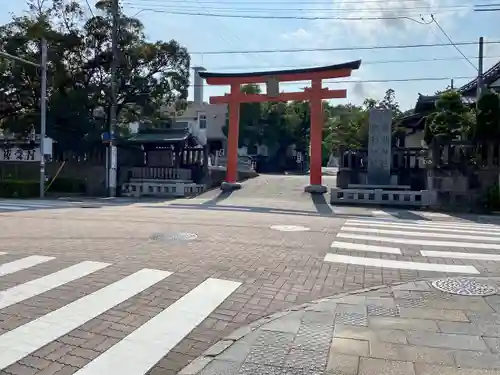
(276,270)
(408,329)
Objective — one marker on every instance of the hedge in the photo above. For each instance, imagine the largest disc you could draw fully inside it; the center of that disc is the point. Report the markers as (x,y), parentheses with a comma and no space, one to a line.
(19,189)
(67,185)
(31,188)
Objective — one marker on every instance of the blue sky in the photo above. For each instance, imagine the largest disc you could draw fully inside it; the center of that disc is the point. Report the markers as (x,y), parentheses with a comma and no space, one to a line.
(205,34)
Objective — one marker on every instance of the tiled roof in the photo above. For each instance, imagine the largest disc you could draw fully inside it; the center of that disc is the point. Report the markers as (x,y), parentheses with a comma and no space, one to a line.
(490,76)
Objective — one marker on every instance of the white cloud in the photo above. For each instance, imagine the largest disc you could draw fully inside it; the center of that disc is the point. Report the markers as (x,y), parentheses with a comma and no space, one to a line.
(299,34)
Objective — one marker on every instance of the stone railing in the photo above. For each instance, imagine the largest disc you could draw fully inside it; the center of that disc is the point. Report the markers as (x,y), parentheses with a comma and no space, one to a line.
(422,198)
(160,173)
(402,158)
(244,162)
(161,188)
(464,154)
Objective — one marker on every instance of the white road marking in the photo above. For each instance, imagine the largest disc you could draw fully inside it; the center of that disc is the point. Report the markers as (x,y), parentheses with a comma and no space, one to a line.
(423,228)
(289,228)
(14,208)
(43,284)
(230,208)
(426,223)
(387,263)
(381,213)
(143,348)
(24,340)
(21,264)
(2,253)
(431,214)
(363,247)
(409,241)
(420,234)
(451,254)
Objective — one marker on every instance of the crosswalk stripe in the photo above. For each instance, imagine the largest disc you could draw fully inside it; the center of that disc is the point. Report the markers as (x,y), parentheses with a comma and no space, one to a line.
(387,263)
(381,213)
(14,208)
(423,242)
(43,284)
(21,264)
(457,255)
(420,234)
(363,247)
(144,347)
(2,253)
(423,228)
(24,340)
(436,223)
(28,205)
(431,214)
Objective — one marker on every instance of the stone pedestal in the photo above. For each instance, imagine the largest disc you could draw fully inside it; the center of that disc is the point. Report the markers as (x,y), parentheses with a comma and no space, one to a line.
(315,189)
(230,186)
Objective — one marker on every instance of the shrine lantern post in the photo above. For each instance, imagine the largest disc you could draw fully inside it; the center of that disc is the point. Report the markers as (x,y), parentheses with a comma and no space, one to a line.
(314,94)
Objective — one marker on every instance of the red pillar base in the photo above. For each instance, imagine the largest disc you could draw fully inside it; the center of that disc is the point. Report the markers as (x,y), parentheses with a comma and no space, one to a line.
(315,189)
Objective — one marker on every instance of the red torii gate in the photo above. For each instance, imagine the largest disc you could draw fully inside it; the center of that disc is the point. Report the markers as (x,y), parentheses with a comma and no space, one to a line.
(315,95)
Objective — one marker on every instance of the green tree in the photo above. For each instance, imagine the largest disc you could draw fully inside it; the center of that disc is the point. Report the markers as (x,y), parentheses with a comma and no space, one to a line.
(152,75)
(488,117)
(451,119)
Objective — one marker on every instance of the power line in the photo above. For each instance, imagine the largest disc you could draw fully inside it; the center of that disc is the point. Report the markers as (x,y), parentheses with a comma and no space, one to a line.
(485,9)
(90,8)
(359,48)
(262,17)
(453,44)
(188,7)
(301,2)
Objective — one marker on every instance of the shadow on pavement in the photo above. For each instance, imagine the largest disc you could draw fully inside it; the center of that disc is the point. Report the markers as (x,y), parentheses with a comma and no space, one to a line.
(223,195)
(264,210)
(321,204)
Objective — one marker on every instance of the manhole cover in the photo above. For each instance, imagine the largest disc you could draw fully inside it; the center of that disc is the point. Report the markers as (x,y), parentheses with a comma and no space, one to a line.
(182,236)
(464,287)
(289,228)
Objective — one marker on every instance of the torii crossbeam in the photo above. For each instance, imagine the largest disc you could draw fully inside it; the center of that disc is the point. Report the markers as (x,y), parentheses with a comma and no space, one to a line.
(315,95)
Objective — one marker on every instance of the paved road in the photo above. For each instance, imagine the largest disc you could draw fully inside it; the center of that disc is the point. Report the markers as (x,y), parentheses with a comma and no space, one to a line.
(147,287)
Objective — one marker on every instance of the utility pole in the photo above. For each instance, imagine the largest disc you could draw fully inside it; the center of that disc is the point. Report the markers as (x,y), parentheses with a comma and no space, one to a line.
(452,84)
(43,115)
(113,157)
(479,88)
(43,103)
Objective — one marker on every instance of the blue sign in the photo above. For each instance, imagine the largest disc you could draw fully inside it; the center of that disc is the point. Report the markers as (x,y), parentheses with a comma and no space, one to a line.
(106,137)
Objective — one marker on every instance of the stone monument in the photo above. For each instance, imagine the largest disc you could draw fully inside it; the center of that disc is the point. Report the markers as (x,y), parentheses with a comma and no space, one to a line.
(379,147)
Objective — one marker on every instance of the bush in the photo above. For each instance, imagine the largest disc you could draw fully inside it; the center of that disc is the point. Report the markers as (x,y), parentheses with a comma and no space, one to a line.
(67,185)
(19,189)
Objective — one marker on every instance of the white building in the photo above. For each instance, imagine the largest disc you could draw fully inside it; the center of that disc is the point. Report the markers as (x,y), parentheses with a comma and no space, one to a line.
(204,116)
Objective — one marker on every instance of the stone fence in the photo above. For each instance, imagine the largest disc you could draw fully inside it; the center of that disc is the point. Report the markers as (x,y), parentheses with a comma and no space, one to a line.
(457,174)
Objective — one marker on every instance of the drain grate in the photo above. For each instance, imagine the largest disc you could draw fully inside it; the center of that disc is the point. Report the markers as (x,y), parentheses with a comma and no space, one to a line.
(464,287)
(181,236)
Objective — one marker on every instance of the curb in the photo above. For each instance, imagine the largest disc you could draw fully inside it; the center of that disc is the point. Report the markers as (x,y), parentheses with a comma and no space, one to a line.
(220,346)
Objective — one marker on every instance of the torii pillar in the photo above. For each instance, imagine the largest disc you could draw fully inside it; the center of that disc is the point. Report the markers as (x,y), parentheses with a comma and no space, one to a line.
(315,95)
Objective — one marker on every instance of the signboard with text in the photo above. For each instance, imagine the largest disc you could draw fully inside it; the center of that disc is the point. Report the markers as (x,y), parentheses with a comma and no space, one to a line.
(379,147)
(13,153)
